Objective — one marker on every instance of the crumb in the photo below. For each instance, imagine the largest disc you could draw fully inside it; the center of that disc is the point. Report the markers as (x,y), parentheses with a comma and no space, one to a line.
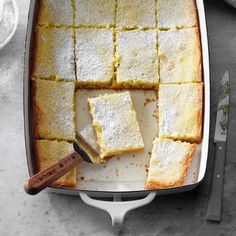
(146,167)
(117,172)
(155,116)
(148,100)
(82,177)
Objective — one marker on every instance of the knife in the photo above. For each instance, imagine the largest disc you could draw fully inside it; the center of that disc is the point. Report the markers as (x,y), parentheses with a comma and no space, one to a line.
(216,192)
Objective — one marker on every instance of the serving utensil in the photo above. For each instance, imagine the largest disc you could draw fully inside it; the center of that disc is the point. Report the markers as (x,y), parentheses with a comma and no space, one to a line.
(83,152)
(215,200)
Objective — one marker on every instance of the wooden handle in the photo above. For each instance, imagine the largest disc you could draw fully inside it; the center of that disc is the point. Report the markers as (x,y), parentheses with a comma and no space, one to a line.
(43,179)
(217,183)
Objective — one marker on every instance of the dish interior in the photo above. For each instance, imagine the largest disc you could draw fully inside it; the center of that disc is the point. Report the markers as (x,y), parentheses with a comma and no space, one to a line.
(126,172)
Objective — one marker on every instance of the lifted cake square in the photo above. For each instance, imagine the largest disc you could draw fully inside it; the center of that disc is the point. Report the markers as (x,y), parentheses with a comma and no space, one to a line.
(95,12)
(180,56)
(139,13)
(136,57)
(94,56)
(48,153)
(115,123)
(177,14)
(53,109)
(55,13)
(180,111)
(169,163)
(54,54)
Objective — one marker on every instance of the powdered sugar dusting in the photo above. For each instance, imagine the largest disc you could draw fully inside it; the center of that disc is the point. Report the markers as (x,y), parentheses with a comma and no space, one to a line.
(180,56)
(94,55)
(54,54)
(180,106)
(54,114)
(168,160)
(57,12)
(117,119)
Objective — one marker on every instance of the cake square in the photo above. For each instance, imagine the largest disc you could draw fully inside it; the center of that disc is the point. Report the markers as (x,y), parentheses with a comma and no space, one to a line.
(53,109)
(136,54)
(95,12)
(115,123)
(55,13)
(180,56)
(54,54)
(180,111)
(169,163)
(139,13)
(94,56)
(177,14)
(48,153)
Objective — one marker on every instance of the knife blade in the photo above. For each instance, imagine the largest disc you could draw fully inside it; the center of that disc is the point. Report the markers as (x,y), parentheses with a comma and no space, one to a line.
(222,110)
(214,210)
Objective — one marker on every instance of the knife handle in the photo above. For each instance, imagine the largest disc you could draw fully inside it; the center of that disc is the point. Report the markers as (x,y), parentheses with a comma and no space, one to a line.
(43,179)
(216,192)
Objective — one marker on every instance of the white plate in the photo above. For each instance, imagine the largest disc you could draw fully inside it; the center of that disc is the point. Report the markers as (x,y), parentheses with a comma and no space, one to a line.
(16,14)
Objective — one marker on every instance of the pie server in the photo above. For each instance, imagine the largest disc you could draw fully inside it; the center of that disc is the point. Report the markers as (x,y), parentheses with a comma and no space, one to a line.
(216,192)
(83,152)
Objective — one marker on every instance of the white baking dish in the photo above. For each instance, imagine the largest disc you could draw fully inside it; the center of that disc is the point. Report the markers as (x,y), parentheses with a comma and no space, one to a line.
(118,188)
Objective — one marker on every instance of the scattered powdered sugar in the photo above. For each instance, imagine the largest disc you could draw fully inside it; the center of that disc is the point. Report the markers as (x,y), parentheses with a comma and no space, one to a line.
(8,75)
(8,21)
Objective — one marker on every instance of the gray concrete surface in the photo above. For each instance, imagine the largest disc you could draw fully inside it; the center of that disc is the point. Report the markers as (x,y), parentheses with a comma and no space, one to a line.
(50,214)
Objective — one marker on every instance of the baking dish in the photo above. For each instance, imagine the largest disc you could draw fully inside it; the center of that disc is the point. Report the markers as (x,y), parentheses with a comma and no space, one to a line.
(113,203)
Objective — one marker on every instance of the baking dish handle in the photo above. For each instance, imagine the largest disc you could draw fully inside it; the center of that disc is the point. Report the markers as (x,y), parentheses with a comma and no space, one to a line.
(117,208)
